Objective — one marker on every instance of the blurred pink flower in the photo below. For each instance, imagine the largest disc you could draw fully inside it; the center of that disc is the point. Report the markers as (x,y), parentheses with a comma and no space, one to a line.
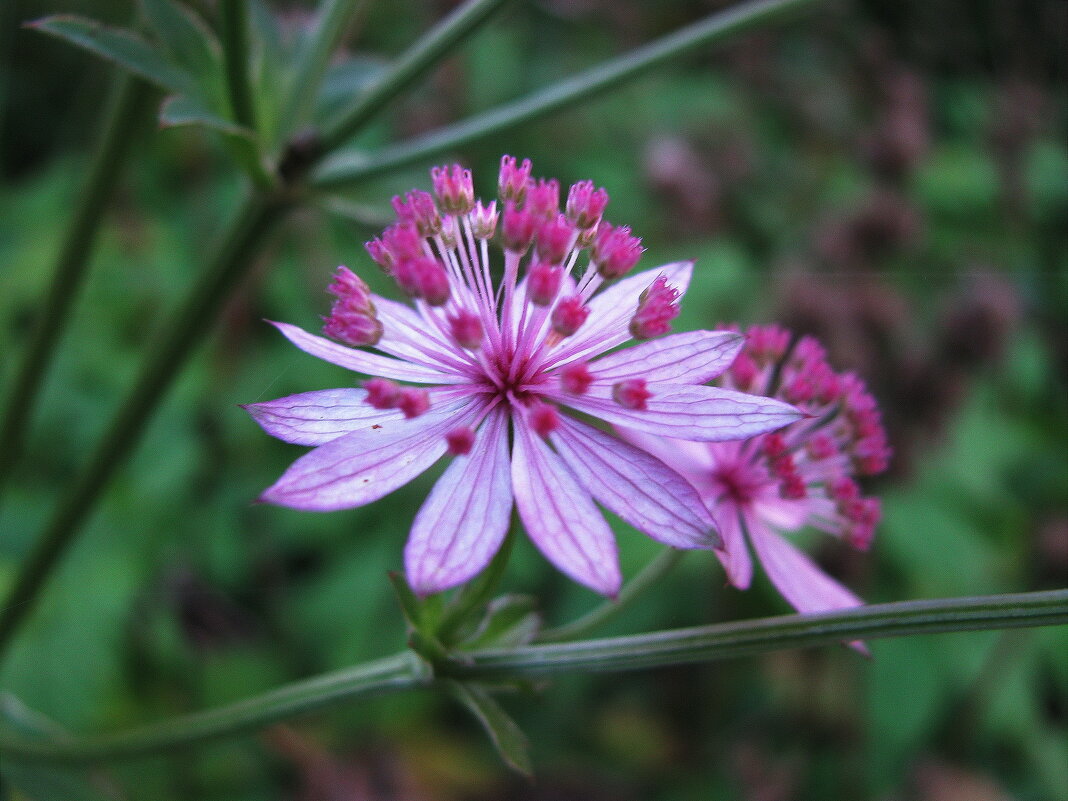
(508,357)
(781,482)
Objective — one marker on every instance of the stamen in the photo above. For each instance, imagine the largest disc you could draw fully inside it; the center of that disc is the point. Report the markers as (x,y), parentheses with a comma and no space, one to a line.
(454,188)
(466,328)
(544,418)
(512,181)
(615,251)
(413,402)
(517,229)
(657,307)
(382,393)
(575,378)
(543,198)
(585,205)
(569,315)
(631,394)
(554,239)
(543,282)
(460,441)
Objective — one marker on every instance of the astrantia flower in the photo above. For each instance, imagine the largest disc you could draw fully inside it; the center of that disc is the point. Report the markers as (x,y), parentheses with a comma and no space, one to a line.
(494,364)
(800,476)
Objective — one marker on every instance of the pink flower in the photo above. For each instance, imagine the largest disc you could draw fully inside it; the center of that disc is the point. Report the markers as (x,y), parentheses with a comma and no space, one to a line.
(800,476)
(496,363)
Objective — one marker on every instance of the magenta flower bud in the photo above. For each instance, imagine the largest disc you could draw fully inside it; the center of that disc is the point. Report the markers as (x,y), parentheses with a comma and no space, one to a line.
(543,198)
(512,181)
(585,205)
(466,329)
(517,229)
(544,418)
(657,307)
(615,251)
(569,315)
(484,220)
(381,255)
(417,209)
(554,239)
(460,440)
(543,282)
(413,402)
(575,378)
(631,394)
(454,189)
(402,242)
(382,393)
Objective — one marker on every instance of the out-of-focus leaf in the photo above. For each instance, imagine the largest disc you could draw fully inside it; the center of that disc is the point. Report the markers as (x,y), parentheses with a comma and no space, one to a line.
(507,737)
(346,80)
(41,781)
(184,110)
(186,38)
(120,46)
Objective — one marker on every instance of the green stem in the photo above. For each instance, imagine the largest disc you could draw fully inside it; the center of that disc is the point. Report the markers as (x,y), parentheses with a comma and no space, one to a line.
(420,57)
(348,168)
(729,640)
(162,364)
(646,578)
(400,671)
(124,114)
(234,24)
(680,646)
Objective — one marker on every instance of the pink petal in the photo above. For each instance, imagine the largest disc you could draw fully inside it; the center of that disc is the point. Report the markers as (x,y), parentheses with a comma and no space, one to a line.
(611,311)
(735,551)
(464,519)
(693,357)
(638,487)
(364,465)
(691,460)
(560,516)
(704,414)
(360,361)
(315,418)
(407,335)
(801,582)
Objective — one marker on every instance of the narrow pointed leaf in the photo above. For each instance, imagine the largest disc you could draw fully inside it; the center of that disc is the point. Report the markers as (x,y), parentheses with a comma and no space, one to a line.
(117,45)
(187,39)
(507,737)
(180,110)
(510,621)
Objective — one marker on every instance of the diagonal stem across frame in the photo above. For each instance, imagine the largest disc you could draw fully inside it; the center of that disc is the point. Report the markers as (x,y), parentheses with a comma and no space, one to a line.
(680,646)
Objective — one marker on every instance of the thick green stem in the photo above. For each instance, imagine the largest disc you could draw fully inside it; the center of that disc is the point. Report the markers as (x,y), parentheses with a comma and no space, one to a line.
(349,168)
(234,18)
(162,365)
(646,578)
(681,646)
(125,113)
(424,54)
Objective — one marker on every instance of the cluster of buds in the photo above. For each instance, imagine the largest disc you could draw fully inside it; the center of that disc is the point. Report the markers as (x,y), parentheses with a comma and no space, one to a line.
(353,319)
(820,457)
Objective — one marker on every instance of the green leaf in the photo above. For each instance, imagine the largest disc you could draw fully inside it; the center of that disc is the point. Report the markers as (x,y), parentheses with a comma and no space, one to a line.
(468,601)
(187,39)
(346,80)
(185,110)
(505,734)
(510,621)
(42,781)
(117,45)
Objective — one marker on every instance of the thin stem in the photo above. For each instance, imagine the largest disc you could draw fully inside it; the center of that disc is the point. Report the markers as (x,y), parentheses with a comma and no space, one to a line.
(234,19)
(122,118)
(699,644)
(729,640)
(597,617)
(400,671)
(345,169)
(162,364)
(424,54)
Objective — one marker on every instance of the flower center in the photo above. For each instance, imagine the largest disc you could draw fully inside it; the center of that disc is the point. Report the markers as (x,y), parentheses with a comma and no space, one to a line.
(738,482)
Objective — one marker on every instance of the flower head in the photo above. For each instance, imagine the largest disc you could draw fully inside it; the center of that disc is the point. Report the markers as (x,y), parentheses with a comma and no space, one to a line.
(803,475)
(497,361)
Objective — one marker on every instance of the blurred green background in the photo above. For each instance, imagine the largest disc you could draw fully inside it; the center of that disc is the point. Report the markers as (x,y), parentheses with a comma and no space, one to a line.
(891,175)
